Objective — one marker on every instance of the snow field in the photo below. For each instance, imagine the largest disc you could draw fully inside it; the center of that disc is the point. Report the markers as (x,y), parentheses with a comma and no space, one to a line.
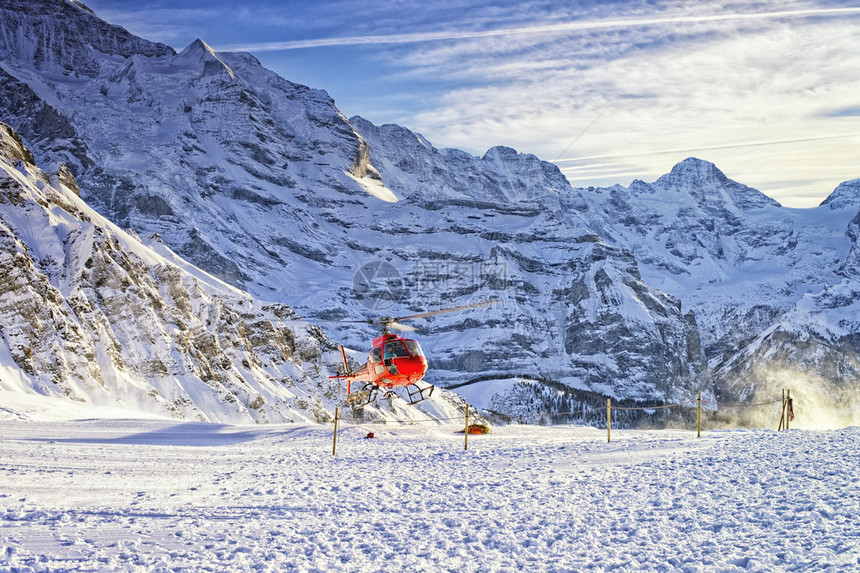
(148,495)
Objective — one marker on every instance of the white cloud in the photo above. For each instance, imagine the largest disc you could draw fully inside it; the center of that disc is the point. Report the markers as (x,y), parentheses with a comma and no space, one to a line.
(539,29)
(758,94)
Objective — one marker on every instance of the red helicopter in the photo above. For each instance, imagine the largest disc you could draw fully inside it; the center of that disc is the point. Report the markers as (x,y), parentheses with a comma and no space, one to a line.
(393,362)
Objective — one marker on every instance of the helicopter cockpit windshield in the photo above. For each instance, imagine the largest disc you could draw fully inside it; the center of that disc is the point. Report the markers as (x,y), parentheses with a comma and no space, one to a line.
(414,347)
(401,348)
(395,349)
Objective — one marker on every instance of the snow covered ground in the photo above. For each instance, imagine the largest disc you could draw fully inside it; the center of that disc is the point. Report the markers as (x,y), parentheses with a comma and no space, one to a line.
(142,495)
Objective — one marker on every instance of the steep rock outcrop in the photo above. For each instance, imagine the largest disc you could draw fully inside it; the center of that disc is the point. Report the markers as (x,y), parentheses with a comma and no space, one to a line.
(264,184)
(576,309)
(61,35)
(91,313)
(149,133)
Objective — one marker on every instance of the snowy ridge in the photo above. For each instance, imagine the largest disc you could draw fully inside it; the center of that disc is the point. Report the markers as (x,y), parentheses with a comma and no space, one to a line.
(192,146)
(732,254)
(48,35)
(846,195)
(772,288)
(814,351)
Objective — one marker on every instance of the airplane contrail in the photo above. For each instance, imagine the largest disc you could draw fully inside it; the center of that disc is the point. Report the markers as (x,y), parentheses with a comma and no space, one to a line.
(415,37)
(705,148)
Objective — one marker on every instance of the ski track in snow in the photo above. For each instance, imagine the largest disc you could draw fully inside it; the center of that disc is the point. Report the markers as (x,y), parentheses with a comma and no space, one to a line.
(142,495)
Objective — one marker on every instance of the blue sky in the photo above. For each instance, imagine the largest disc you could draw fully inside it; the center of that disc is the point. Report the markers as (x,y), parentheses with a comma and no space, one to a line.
(610,91)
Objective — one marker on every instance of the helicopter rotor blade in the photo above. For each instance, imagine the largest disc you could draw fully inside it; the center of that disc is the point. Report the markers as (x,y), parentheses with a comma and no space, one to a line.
(395,323)
(447,310)
(384,323)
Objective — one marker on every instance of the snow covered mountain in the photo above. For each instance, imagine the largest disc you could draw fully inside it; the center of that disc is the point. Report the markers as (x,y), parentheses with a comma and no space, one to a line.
(649,292)
(813,351)
(773,288)
(577,310)
(741,265)
(91,313)
(728,251)
(97,315)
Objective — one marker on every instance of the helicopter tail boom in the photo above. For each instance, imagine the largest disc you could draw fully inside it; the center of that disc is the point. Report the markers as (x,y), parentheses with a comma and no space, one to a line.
(360,375)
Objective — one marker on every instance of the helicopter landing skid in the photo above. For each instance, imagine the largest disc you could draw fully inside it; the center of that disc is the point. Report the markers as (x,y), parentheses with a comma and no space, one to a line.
(418,394)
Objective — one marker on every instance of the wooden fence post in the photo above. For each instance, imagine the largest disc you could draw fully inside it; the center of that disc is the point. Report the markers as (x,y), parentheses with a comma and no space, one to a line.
(782,412)
(699,417)
(466,444)
(334,438)
(608,420)
(787,408)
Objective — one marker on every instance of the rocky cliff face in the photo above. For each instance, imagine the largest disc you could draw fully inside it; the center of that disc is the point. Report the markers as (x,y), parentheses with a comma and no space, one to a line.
(773,289)
(415,170)
(91,313)
(639,292)
(48,35)
(576,308)
(733,258)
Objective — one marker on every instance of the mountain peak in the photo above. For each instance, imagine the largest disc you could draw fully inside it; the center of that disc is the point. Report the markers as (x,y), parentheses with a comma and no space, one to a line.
(847,194)
(707,183)
(81,5)
(696,169)
(197,48)
(199,52)
(501,151)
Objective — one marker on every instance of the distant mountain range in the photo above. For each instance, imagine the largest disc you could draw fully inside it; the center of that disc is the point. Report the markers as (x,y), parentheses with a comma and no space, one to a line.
(649,292)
